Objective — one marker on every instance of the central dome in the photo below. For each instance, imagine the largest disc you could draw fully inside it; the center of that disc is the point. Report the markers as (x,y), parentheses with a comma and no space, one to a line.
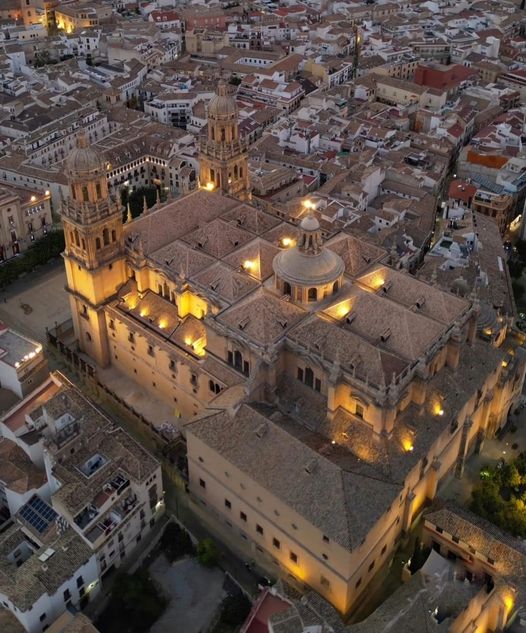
(84,162)
(308,272)
(302,269)
(222,105)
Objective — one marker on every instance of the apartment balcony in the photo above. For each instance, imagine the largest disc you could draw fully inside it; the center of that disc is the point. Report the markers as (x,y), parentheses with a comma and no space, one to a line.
(111,520)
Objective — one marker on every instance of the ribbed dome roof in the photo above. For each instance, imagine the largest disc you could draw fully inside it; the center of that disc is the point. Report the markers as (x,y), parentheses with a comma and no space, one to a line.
(222,105)
(310,223)
(487,318)
(84,160)
(305,269)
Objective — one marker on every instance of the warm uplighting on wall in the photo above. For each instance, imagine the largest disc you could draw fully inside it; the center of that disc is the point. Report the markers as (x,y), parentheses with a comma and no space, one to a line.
(437,409)
(209,186)
(286,242)
(308,204)
(144,312)
(47,193)
(343,310)
(407,444)
(377,281)
(198,345)
(33,198)
(163,323)
(248,264)
(509,601)
(131,301)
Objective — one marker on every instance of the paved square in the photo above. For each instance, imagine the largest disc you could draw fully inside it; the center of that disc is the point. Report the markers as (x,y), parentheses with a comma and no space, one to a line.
(36,301)
(195,593)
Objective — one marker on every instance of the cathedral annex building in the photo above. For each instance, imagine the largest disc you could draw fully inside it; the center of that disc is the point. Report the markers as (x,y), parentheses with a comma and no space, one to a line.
(323,394)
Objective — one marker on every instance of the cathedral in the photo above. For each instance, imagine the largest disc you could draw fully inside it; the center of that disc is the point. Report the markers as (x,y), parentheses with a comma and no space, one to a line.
(323,394)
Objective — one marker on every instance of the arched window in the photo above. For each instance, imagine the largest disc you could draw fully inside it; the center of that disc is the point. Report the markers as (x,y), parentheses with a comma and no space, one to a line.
(77,239)
(223,134)
(83,244)
(85,195)
(241,172)
(72,237)
(287,290)
(113,235)
(309,377)
(106,237)
(312,294)
(99,190)
(73,193)
(238,360)
(212,175)
(212,133)
(97,243)
(235,172)
(335,287)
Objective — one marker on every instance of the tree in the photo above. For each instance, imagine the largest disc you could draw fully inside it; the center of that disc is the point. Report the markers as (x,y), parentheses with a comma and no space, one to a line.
(419,556)
(135,604)
(521,249)
(207,553)
(518,289)
(136,199)
(48,247)
(235,609)
(176,542)
(515,267)
(235,81)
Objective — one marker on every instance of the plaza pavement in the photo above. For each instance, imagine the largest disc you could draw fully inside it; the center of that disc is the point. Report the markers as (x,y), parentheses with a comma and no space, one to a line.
(36,301)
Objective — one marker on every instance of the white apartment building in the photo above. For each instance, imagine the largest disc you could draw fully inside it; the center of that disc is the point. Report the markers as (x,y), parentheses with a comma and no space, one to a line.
(45,567)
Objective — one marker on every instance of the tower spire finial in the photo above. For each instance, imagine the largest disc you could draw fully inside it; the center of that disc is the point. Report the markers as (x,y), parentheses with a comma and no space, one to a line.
(82,139)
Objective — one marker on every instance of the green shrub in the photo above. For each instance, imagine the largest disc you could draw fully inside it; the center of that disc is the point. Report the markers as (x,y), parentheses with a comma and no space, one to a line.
(207,553)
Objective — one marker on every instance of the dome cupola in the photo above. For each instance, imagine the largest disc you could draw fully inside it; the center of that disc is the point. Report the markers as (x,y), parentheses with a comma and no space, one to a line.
(84,162)
(308,272)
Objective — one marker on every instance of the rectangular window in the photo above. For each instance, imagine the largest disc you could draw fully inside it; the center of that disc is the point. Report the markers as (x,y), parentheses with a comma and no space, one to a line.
(42,617)
(259,529)
(325,539)
(276,543)
(243,516)
(384,548)
(228,504)
(317,384)
(202,483)
(293,557)
(324,582)
(300,374)
(358,583)
(371,565)
(67,595)
(150,350)
(359,411)
(80,581)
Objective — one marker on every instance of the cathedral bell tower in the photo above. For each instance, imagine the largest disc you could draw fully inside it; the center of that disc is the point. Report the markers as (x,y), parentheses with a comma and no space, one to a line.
(223,156)
(94,254)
